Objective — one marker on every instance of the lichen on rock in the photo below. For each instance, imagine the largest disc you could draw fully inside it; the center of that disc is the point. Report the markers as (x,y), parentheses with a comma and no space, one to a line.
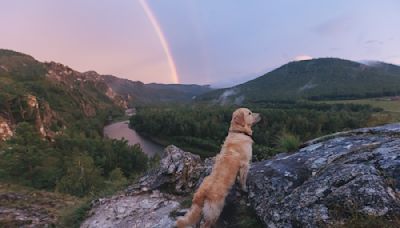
(352,172)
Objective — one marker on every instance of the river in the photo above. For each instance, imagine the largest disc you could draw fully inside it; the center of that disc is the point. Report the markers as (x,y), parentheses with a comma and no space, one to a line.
(120,130)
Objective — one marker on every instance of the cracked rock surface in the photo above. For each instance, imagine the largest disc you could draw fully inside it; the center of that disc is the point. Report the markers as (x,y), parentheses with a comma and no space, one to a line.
(143,204)
(333,176)
(323,183)
(140,210)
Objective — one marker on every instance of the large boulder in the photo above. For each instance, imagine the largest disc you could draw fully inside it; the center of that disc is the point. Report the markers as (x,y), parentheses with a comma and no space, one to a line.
(330,180)
(179,172)
(143,204)
(141,209)
(156,199)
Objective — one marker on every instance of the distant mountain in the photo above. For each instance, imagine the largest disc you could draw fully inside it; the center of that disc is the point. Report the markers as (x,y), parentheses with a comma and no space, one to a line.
(136,92)
(324,78)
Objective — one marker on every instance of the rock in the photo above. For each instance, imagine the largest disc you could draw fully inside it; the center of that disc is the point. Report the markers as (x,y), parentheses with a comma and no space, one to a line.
(145,209)
(5,129)
(27,208)
(28,108)
(322,184)
(143,205)
(179,172)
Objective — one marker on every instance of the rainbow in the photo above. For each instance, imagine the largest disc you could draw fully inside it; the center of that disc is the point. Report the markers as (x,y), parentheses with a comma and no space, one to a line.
(160,34)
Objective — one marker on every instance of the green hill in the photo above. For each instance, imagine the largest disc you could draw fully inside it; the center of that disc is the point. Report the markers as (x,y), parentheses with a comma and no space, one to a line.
(316,79)
(50,96)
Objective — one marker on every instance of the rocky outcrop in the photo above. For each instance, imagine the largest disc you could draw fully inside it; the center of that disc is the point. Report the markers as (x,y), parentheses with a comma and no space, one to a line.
(44,116)
(30,208)
(136,209)
(75,80)
(142,204)
(30,109)
(325,183)
(5,129)
(330,180)
(158,197)
(179,172)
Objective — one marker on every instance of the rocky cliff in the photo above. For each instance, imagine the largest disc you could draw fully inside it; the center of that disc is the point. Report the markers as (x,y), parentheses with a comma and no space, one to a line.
(49,95)
(28,108)
(328,182)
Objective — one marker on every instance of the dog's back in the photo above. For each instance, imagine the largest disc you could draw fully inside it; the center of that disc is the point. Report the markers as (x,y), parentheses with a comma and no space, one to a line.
(210,197)
(233,159)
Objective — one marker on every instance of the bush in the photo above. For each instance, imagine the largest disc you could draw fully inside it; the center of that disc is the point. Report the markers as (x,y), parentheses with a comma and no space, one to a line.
(288,142)
(82,177)
(117,177)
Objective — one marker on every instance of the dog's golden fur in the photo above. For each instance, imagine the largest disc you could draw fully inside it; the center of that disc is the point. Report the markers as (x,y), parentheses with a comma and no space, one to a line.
(233,161)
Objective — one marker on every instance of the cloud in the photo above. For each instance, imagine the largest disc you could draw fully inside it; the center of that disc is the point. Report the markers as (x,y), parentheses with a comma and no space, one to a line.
(394,61)
(302,57)
(378,42)
(335,26)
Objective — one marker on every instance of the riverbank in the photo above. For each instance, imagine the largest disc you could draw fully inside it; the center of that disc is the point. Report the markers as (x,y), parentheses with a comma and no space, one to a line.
(120,130)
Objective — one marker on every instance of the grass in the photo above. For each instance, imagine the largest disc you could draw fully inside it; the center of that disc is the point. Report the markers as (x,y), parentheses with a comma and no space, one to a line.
(363,221)
(73,216)
(62,209)
(288,142)
(357,220)
(349,216)
(49,204)
(385,103)
(390,114)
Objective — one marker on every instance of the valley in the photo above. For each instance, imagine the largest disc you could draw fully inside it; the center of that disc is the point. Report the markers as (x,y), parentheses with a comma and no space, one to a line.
(64,133)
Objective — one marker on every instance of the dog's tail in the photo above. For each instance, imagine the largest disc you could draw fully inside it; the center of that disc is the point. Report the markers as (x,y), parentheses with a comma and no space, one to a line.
(194,214)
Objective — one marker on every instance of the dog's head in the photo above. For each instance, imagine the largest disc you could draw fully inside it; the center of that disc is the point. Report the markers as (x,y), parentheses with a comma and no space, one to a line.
(243,119)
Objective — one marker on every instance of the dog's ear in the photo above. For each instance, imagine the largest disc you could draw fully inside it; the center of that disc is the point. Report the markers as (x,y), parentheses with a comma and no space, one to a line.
(239,119)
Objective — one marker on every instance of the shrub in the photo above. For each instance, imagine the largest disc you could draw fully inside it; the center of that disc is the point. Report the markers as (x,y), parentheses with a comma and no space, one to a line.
(288,142)
(82,177)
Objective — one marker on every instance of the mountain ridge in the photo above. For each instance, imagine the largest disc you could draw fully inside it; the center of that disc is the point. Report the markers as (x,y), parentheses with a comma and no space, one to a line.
(51,95)
(315,79)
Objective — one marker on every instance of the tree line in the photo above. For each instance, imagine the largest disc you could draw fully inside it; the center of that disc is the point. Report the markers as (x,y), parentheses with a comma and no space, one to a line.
(202,128)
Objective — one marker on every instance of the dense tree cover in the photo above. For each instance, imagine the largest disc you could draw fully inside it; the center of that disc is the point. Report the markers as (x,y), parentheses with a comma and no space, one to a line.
(202,129)
(77,164)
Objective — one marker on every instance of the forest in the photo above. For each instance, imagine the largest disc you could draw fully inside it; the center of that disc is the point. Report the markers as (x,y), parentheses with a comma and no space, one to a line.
(284,126)
(79,162)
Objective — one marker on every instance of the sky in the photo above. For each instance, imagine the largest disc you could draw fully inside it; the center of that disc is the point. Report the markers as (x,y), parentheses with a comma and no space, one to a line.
(218,42)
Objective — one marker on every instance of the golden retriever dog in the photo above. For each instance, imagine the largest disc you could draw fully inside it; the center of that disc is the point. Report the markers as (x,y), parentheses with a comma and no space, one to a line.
(232,162)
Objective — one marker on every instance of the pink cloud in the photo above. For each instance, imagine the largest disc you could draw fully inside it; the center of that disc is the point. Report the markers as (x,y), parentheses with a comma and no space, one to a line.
(394,60)
(302,57)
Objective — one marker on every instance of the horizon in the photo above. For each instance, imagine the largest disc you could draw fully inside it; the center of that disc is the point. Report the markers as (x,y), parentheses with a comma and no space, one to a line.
(221,85)
(207,43)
